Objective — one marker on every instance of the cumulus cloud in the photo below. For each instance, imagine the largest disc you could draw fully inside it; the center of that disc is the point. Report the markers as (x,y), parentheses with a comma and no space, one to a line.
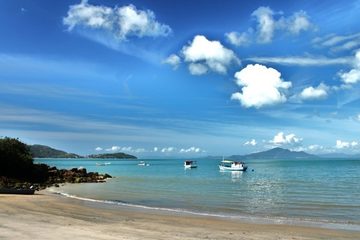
(239,39)
(312,93)
(260,86)
(113,149)
(119,22)
(155,149)
(265,24)
(168,149)
(268,23)
(98,149)
(352,76)
(343,144)
(204,55)
(281,139)
(190,150)
(314,148)
(251,142)
(358,117)
(173,60)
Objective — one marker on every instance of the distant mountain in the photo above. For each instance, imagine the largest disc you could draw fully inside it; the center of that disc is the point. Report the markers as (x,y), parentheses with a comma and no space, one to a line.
(119,155)
(275,153)
(41,151)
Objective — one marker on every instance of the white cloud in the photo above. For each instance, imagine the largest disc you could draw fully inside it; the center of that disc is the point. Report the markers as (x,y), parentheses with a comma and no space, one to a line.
(120,22)
(358,117)
(173,60)
(190,150)
(311,93)
(261,86)
(265,24)
(315,147)
(197,68)
(268,23)
(303,61)
(338,42)
(343,144)
(238,39)
(281,139)
(203,55)
(98,149)
(251,142)
(352,76)
(155,149)
(113,149)
(298,22)
(168,149)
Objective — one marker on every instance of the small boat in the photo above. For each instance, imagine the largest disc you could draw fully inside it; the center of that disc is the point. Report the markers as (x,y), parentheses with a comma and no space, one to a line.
(190,164)
(103,164)
(143,164)
(228,165)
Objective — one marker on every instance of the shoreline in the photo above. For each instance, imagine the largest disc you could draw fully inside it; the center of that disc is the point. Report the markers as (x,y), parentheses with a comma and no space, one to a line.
(242,218)
(51,216)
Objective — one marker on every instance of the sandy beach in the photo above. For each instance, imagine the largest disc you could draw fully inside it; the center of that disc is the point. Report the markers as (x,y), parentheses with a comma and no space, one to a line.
(49,216)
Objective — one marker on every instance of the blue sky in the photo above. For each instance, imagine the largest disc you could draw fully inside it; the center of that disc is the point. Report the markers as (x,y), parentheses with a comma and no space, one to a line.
(164,78)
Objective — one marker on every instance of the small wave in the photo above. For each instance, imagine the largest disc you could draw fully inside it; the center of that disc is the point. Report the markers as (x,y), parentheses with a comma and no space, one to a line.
(250,219)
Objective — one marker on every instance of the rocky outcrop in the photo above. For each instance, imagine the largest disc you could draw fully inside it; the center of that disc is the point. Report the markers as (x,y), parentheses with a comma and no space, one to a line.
(55,177)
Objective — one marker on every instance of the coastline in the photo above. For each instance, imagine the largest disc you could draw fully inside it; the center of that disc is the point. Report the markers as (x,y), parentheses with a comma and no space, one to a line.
(46,215)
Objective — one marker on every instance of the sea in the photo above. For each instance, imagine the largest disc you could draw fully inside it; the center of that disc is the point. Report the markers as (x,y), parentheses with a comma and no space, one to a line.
(316,192)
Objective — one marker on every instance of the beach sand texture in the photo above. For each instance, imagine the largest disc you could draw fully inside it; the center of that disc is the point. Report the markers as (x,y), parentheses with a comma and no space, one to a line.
(49,216)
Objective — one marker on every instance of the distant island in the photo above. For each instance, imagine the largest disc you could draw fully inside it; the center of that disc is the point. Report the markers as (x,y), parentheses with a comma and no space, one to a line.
(275,153)
(119,155)
(42,151)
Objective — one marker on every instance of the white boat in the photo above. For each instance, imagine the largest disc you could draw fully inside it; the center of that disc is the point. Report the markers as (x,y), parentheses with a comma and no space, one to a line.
(143,164)
(103,164)
(228,165)
(190,164)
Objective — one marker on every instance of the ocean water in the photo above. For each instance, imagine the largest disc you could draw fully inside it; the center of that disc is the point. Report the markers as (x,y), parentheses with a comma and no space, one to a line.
(315,191)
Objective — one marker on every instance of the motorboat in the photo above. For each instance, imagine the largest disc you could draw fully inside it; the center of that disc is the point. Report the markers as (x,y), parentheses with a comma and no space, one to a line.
(103,164)
(143,164)
(228,165)
(190,164)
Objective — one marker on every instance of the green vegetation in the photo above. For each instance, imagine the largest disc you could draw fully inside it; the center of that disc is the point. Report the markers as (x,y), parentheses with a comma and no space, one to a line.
(17,168)
(113,155)
(16,162)
(41,151)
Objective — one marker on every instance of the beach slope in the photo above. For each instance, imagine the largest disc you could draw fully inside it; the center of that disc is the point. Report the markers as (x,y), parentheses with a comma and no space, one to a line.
(49,216)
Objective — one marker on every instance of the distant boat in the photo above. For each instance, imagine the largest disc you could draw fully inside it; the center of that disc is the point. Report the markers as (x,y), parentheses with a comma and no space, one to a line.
(190,164)
(143,164)
(103,164)
(228,165)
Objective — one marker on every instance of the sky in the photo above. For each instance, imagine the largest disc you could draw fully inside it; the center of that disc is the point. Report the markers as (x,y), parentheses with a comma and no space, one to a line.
(169,79)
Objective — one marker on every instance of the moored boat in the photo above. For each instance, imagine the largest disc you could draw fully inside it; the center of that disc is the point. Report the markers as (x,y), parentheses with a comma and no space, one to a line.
(190,164)
(143,164)
(228,165)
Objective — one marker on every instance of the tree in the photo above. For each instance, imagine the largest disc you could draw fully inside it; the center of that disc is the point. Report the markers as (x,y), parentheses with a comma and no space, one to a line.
(15,159)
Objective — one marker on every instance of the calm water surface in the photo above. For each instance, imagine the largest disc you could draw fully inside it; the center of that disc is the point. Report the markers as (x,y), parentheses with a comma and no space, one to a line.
(315,190)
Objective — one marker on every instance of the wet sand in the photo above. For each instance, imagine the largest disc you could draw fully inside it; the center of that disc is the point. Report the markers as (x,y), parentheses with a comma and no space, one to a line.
(49,216)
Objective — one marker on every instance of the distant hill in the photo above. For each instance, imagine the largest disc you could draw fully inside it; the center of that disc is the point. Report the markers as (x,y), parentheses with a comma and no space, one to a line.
(119,155)
(41,151)
(275,153)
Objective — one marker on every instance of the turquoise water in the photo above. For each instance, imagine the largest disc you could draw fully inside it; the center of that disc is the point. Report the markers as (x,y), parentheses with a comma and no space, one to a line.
(313,190)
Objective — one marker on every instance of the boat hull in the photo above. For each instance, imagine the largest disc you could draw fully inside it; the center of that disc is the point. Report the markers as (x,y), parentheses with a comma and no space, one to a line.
(223,168)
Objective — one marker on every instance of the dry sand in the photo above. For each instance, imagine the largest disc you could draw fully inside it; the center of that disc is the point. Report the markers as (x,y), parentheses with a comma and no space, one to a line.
(49,216)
